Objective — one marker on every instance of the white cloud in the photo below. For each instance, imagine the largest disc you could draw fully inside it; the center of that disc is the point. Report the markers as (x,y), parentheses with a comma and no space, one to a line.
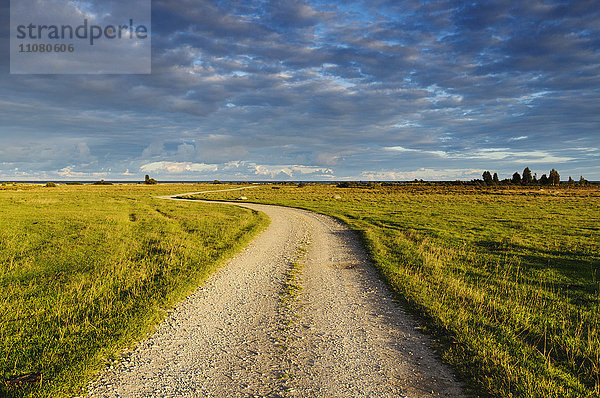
(245,169)
(516,156)
(505,154)
(68,172)
(422,173)
(273,171)
(155,148)
(83,151)
(178,167)
(441,154)
(186,151)
(406,124)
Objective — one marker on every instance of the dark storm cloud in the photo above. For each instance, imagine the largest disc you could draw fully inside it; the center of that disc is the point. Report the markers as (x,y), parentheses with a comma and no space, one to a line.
(378,89)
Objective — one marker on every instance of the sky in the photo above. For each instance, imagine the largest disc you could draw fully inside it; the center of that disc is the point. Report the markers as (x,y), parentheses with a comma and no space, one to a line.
(321,90)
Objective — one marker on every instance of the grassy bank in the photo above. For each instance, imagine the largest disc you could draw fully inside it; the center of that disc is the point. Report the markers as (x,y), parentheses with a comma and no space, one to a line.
(509,277)
(87,270)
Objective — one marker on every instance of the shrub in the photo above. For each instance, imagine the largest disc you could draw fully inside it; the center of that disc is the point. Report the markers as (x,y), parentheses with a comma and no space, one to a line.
(102,182)
(50,184)
(148,180)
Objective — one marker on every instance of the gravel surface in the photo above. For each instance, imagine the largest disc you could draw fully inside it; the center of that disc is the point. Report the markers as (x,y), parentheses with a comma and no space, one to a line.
(250,331)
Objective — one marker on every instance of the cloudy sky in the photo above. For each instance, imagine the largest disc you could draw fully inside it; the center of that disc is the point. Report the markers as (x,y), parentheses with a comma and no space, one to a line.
(321,90)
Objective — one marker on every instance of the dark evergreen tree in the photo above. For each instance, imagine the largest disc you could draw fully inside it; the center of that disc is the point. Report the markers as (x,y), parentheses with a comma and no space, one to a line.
(487,177)
(554,177)
(516,178)
(582,181)
(544,180)
(527,179)
(495,178)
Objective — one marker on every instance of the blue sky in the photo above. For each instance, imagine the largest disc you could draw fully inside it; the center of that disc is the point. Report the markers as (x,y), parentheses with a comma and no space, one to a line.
(322,90)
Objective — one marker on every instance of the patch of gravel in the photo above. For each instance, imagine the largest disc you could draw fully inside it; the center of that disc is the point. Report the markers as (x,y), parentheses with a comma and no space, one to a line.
(342,334)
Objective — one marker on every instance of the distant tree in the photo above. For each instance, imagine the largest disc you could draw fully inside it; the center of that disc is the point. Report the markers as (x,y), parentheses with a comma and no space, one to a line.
(216,182)
(150,181)
(554,177)
(571,181)
(544,180)
(527,179)
(495,178)
(487,177)
(535,180)
(516,178)
(582,181)
(50,184)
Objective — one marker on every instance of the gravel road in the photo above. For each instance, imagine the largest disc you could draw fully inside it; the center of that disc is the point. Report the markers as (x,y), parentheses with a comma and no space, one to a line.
(299,313)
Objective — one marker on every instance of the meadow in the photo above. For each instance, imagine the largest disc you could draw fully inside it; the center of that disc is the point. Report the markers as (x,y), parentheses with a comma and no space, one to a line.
(505,279)
(85,271)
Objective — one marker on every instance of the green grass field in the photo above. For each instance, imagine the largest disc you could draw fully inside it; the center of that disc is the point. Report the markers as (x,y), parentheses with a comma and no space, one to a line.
(506,278)
(87,270)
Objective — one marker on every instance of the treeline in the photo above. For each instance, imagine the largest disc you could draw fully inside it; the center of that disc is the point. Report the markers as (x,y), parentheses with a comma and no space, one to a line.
(553,179)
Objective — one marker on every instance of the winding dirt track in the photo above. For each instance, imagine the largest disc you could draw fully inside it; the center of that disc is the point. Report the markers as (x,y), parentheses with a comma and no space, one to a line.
(342,335)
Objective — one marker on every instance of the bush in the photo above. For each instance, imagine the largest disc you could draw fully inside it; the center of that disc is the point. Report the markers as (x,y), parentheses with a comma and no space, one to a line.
(148,180)
(102,182)
(50,184)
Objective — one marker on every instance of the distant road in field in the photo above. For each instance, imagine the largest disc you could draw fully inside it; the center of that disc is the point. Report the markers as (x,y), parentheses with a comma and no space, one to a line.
(175,197)
(259,328)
